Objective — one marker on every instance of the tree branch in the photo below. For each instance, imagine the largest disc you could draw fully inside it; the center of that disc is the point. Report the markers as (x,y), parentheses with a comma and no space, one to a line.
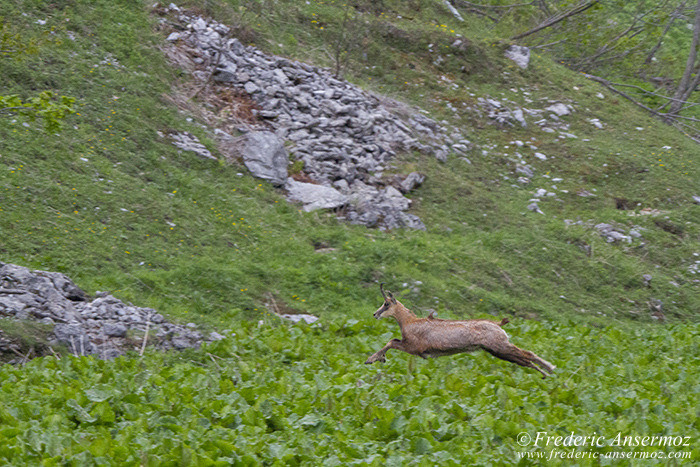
(477,5)
(580,8)
(611,87)
(668,118)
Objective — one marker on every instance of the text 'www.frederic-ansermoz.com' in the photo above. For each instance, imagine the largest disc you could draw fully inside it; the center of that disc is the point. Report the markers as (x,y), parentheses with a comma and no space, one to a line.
(542,445)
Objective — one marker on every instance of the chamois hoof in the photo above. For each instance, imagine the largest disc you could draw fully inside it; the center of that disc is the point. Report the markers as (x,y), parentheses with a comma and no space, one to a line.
(373,359)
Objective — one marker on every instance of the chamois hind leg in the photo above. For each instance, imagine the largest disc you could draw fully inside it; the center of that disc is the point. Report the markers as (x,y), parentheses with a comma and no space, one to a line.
(379,356)
(509,352)
(548,367)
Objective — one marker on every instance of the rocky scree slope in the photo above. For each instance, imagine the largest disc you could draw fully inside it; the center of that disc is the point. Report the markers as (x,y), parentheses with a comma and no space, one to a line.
(345,136)
(104,326)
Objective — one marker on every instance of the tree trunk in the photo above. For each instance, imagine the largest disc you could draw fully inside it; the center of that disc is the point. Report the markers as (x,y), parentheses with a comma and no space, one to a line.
(686,86)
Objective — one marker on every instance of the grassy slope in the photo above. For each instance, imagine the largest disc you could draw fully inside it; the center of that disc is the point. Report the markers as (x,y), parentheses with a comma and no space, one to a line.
(98,202)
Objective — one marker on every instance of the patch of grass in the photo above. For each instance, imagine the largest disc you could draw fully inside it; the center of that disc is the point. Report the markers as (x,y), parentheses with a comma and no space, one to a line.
(24,340)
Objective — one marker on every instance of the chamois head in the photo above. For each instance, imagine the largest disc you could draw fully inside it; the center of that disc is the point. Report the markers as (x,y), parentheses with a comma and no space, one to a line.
(389,305)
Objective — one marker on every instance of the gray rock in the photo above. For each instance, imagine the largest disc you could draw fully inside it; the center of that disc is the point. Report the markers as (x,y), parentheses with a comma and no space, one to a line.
(265,156)
(391,197)
(115,330)
(199,25)
(696,199)
(525,170)
(225,73)
(75,337)
(534,208)
(519,117)
(308,319)
(181,342)
(519,54)
(189,142)
(560,109)
(215,336)
(411,181)
(315,196)
(596,123)
(610,234)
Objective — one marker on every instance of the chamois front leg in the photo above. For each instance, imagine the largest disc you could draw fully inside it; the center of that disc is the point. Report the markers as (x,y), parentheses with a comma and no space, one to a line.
(379,356)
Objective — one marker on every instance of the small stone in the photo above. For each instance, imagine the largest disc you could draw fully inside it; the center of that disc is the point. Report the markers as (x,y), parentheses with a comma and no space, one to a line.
(559,109)
(308,319)
(534,208)
(525,170)
(411,181)
(596,123)
(180,342)
(215,336)
(519,54)
(189,142)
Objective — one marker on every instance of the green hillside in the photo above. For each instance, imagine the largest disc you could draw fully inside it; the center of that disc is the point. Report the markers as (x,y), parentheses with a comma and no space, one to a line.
(116,207)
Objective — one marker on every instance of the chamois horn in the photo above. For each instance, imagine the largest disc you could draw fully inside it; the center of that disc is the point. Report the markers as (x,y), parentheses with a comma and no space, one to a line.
(381,289)
(387,295)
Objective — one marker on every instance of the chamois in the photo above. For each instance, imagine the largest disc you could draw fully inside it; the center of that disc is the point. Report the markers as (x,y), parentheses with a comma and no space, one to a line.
(432,337)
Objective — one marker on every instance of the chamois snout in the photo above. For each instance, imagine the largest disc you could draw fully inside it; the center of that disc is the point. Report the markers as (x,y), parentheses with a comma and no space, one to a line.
(382,309)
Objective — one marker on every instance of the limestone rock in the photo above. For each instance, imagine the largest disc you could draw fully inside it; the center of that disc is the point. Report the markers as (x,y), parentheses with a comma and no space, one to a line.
(189,142)
(560,109)
(315,196)
(519,54)
(265,156)
(411,181)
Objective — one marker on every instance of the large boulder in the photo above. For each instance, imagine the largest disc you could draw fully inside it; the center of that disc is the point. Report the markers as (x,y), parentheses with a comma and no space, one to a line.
(265,156)
(315,196)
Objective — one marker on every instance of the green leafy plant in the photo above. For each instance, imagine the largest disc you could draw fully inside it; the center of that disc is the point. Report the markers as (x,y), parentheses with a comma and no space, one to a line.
(48,107)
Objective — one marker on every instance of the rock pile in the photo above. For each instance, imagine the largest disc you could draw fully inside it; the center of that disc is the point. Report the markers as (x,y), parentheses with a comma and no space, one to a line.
(507,113)
(105,326)
(345,137)
(613,233)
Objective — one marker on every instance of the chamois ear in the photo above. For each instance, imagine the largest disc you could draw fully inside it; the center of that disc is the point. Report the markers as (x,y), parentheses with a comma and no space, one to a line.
(387,295)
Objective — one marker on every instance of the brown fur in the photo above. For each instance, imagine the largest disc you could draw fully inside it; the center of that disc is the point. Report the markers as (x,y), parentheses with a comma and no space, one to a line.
(433,337)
